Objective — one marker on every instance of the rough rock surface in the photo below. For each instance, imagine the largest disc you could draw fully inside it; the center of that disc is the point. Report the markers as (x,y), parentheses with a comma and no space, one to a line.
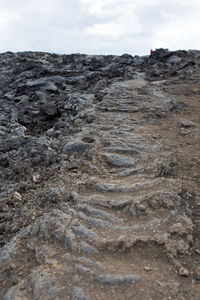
(99,176)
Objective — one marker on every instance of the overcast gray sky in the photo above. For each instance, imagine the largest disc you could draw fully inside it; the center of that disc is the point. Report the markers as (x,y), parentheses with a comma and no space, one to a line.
(99,26)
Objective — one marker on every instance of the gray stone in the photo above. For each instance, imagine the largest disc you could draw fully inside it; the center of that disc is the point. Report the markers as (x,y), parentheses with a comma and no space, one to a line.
(76,148)
(53,196)
(4,216)
(174,60)
(69,241)
(173,105)
(83,270)
(99,212)
(111,279)
(118,161)
(4,160)
(78,294)
(84,232)
(186,124)
(87,249)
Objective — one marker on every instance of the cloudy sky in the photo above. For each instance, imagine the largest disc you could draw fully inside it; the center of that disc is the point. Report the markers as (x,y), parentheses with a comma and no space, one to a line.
(99,26)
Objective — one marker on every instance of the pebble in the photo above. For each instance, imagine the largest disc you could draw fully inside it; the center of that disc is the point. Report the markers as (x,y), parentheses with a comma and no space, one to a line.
(148,268)
(17,196)
(197,251)
(37,178)
(186,124)
(183,272)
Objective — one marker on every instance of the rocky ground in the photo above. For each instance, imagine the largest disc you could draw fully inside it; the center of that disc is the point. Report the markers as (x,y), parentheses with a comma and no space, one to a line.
(99,170)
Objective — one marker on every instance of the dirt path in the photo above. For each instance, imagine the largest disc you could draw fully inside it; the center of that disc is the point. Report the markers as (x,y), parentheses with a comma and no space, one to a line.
(131,227)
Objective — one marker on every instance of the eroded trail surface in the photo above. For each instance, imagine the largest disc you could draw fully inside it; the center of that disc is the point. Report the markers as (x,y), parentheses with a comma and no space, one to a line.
(130,227)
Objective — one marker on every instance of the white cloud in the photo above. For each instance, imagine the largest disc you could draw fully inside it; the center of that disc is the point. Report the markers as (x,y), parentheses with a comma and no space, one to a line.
(153,23)
(98,26)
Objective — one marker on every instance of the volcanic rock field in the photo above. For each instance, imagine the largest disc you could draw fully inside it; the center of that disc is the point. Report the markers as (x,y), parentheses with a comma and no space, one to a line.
(100,176)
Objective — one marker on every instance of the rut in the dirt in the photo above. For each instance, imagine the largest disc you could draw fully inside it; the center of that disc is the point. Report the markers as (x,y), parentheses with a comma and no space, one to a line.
(119,237)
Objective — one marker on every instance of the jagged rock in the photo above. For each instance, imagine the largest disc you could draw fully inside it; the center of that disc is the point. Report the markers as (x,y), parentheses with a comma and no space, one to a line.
(17,196)
(174,60)
(174,105)
(53,196)
(5,216)
(76,148)
(118,161)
